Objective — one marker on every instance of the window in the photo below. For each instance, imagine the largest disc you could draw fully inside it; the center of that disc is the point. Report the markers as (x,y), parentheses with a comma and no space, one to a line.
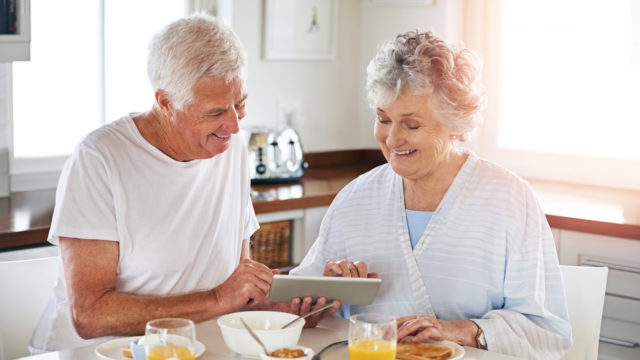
(88,67)
(562,79)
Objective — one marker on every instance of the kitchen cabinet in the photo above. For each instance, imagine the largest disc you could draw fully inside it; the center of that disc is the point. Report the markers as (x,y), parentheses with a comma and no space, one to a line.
(305,225)
(296,233)
(271,243)
(620,330)
(16,47)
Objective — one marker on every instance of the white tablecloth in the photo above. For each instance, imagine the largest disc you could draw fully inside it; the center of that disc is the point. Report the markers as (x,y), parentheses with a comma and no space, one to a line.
(330,330)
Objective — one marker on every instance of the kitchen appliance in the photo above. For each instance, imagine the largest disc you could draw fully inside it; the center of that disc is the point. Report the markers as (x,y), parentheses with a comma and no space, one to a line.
(275,154)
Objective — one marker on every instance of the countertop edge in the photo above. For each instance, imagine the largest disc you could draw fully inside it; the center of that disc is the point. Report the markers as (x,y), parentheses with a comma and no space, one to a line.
(25,217)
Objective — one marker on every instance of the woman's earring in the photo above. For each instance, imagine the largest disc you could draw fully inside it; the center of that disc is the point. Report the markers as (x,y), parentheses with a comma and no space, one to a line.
(454,137)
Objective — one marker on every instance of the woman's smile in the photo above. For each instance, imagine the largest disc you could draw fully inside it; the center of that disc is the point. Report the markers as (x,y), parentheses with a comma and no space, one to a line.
(403,153)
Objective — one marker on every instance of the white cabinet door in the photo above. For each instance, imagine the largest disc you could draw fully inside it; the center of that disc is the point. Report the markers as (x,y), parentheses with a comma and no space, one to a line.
(620,319)
(312,220)
(556,238)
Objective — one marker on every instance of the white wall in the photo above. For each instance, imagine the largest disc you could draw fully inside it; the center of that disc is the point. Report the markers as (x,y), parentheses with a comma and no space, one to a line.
(329,96)
(382,23)
(325,94)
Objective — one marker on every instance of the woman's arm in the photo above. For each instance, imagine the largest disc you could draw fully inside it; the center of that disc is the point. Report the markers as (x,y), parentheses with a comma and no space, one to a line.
(533,321)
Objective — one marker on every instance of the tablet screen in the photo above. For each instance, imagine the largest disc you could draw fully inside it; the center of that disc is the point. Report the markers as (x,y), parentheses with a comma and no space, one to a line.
(351,291)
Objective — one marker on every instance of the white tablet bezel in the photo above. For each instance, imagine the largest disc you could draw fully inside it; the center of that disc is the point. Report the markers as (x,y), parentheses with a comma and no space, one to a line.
(351,291)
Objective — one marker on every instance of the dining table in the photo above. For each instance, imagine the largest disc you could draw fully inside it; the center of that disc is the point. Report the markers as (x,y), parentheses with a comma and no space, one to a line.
(329,330)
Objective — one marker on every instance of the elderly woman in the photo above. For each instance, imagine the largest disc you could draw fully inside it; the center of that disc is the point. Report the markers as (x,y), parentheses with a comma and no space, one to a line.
(153,211)
(464,251)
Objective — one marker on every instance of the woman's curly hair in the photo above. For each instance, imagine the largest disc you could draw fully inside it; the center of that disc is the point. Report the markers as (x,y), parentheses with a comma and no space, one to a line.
(417,62)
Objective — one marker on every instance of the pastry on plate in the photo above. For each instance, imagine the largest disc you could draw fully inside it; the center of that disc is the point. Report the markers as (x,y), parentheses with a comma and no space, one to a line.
(126,352)
(408,350)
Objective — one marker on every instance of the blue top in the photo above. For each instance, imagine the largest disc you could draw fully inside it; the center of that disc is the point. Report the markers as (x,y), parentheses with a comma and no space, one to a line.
(417,221)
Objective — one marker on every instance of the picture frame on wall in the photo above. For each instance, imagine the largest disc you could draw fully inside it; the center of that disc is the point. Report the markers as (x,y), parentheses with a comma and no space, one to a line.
(300,29)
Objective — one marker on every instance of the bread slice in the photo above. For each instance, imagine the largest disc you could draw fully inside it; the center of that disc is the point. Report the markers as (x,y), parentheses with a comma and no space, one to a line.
(407,350)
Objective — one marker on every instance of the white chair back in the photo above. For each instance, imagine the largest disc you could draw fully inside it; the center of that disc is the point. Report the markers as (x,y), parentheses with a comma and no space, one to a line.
(25,287)
(584,287)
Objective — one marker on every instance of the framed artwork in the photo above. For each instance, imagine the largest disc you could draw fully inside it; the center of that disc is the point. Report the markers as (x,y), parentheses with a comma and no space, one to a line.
(300,29)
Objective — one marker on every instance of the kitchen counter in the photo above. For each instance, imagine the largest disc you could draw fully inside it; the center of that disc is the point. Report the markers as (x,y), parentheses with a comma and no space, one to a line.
(25,216)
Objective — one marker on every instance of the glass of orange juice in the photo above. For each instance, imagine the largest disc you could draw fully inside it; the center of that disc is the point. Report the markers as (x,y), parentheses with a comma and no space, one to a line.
(170,338)
(372,336)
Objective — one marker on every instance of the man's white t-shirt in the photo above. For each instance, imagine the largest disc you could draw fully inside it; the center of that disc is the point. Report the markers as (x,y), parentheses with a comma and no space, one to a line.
(179,225)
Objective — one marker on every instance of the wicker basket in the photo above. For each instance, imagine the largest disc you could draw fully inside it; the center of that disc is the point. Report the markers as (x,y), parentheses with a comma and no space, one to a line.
(270,244)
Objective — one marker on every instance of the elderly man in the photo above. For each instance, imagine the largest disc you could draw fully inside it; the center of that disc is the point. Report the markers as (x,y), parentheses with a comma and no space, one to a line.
(153,212)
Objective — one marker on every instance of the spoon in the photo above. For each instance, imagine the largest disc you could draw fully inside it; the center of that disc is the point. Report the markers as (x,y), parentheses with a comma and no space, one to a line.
(308,314)
(318,355)
(254,336)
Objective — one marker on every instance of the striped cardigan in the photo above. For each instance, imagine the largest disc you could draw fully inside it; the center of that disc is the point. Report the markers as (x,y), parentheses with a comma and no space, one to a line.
(487,254)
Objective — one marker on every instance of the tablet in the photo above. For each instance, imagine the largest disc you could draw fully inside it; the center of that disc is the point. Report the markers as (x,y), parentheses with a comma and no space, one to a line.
(352,291)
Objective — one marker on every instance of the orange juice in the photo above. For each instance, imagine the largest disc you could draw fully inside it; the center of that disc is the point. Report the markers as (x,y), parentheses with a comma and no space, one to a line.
(170,352)
(372,350)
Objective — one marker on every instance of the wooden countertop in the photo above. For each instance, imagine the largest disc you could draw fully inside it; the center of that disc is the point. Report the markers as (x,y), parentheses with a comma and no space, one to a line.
(25,216)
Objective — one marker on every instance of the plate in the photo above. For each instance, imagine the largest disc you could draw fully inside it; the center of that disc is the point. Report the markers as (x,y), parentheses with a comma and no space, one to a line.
(111,348)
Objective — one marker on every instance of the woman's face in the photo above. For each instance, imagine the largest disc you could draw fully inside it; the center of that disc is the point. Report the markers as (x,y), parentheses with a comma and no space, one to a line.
(412,140)
(203,129)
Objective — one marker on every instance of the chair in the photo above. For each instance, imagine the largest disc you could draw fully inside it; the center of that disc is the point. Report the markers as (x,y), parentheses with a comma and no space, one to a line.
(584,287)
(25,287)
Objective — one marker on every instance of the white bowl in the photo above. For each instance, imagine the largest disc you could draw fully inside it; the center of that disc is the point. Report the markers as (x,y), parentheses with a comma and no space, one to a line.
(266,324)
(308,353)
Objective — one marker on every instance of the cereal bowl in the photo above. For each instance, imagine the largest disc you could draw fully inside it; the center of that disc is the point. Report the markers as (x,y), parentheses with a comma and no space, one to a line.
(308,354)
(268,327)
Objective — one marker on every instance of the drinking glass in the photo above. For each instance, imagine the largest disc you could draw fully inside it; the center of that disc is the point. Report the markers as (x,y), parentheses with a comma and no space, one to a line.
(170,338)
(372,336)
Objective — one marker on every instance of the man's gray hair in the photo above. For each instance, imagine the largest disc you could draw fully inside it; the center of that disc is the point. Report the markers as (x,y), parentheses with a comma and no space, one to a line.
(189,49)
(417,62)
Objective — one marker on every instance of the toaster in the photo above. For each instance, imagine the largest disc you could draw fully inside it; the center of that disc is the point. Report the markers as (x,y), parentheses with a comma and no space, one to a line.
(275,154)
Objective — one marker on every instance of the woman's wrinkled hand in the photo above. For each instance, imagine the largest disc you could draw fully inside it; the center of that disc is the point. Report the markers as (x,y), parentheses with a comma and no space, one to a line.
(346,268)
(426,327)
(422,327)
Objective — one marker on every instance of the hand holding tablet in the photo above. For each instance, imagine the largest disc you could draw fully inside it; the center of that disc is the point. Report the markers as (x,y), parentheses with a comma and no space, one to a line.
(352,291)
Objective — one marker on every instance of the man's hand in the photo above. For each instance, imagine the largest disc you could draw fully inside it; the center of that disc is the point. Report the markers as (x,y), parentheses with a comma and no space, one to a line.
(346,268)
(247,286)
(303,306)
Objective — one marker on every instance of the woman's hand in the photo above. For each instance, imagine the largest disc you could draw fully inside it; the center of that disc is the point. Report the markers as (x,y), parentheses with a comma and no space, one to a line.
(424,327)
(346,268)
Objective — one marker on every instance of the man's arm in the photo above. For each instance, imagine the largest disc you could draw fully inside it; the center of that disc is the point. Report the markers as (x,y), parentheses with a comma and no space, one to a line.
(97,309)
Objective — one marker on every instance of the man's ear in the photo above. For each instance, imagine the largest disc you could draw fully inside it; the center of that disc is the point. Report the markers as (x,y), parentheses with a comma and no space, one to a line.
(163,101)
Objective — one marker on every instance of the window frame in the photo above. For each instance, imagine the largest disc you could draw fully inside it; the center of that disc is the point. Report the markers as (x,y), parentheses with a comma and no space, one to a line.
(38,173)
(482,33)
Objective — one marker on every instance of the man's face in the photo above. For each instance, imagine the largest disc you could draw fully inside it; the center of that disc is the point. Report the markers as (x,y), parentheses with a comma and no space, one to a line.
(203,129)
